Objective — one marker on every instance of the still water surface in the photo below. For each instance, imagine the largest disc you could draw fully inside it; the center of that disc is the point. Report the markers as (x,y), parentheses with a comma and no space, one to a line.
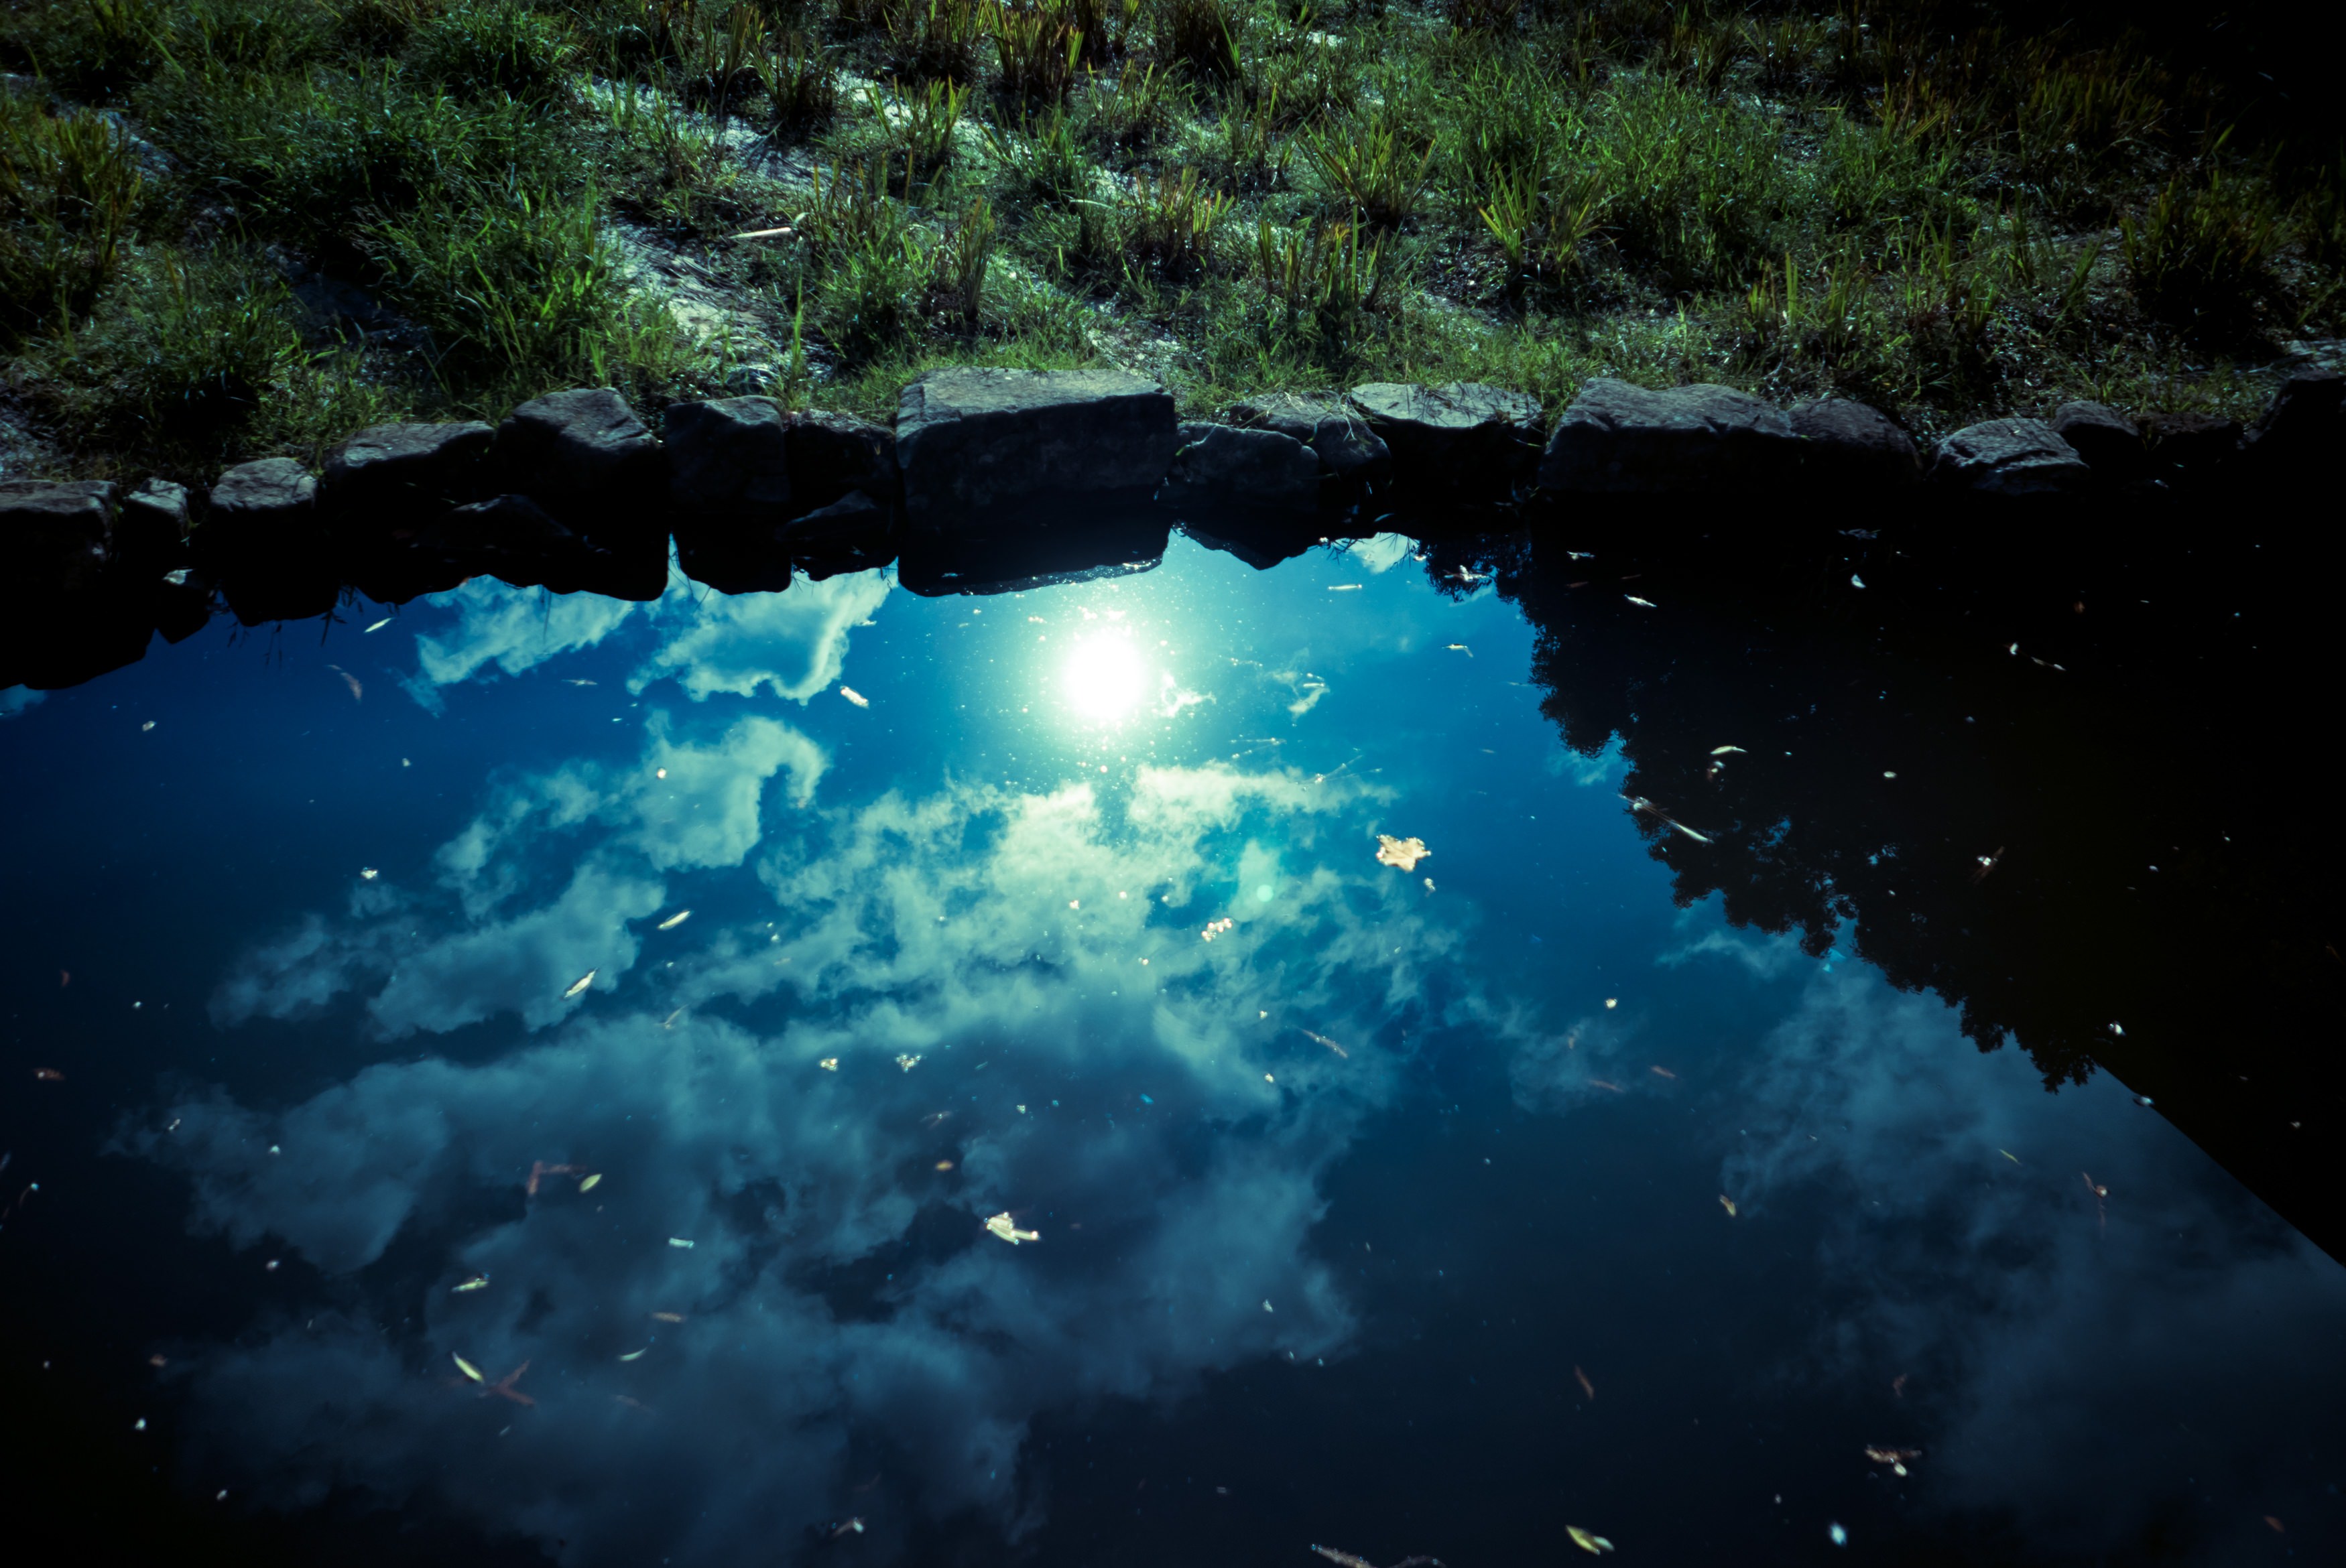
(777,942)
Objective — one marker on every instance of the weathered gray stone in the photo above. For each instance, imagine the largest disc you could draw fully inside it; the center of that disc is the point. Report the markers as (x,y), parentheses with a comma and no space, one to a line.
(969,439)
(264,508)
(2109,443)
(585,447)
(730,457)
(55,537)
(2304,425)
(153,524)
(2009,457)
(1247,467)
(388,466)
(2190,447)
(852,533)
(1852,445)
(833,456)
(1349,451)
(1618,439)
(1461,439)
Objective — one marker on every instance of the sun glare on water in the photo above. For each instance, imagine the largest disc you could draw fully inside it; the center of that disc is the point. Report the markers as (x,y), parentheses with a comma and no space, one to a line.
(1104,679)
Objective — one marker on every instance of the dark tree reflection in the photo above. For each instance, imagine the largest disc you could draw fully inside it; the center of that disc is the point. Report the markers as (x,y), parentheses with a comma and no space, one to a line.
(2070,777)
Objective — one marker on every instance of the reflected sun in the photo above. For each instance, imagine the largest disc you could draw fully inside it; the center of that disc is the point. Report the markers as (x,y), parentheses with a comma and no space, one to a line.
(1104,679)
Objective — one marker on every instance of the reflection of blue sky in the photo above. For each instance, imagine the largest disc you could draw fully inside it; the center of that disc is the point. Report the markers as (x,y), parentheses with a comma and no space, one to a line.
(1013,881)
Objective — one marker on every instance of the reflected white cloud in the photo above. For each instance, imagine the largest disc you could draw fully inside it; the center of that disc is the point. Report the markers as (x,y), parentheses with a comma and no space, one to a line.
(1969,1253)
(679,806)
(515,629)
(793,644)
(1049,959)
(17,699)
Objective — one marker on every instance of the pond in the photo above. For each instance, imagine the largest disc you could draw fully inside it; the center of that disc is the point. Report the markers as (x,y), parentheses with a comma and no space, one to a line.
(1379,1054)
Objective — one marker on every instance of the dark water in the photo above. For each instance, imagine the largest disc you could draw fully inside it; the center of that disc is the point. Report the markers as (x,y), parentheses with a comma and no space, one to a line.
(1631,1170)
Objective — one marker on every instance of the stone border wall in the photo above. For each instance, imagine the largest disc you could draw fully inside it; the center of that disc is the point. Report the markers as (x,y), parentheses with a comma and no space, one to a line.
(991,478)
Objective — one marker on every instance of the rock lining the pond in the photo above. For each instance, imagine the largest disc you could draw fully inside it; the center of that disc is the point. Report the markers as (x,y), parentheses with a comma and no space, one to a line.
(1847,445)
(2011,458)
(398,469)
(1255,468)
(1040,475)
(1461,441)
(1350,453)
(970,440)
(584,451)
(2107,441)
(1616,438)
(55,537)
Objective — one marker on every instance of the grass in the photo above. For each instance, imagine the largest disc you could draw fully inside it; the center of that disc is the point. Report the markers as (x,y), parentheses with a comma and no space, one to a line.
(1879,199)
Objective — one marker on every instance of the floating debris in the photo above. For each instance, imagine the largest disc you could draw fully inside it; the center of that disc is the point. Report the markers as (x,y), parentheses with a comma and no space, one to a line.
(1836,1534)
(1345,587)
(674,921)
(2145,1102)
(1642,604)
(847,1527)
(667,1317)
(368,873)
(2101,1198)
(358,692)
(1601,1083)
(48,1076)
(467,1367)
(1895,1458)
(1587,1387)
(637,1355)
(1855,581)
(587,1183)
(1661,1073)
(1429,884)
(907,1060)
(377,626)
(1987,863)
(855,697)
(1403,853)
(1611,1003)
(146,726)
(1002,1225)
(503,1387)
(1595,1545)
(2007,1154)
(540,1170)
(581,983)
(829,1063)
(1639,803)
(478,1282)
(1728,1203)
(1348,1560)
(944,1165)
(1324,1040)
(1898,1386)
(1461,647)
(577,682)
(669,1022)
(1726,750)
(681,1242)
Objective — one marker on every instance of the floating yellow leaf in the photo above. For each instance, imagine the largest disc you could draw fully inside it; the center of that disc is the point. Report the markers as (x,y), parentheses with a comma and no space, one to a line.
(1728,1203)
(634,1355)
(478,1282)
(586,1184)
(674,921)
(467,1367)
(1404,853)
(1595,1545)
